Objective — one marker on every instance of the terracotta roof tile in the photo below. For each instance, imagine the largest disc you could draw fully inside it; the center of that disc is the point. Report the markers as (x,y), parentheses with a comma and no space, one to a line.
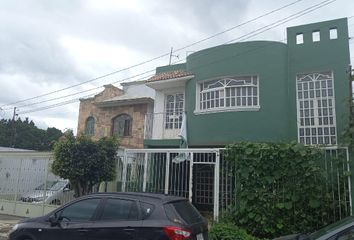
(170,75)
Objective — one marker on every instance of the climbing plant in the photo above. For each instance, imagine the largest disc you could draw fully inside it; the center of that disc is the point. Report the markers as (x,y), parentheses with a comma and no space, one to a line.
(280,188)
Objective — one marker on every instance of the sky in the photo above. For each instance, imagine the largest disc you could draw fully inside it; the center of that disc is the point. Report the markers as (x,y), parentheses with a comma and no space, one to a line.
(47,46)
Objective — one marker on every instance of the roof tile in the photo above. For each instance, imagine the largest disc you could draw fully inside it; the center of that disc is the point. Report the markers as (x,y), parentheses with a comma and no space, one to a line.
(169,75)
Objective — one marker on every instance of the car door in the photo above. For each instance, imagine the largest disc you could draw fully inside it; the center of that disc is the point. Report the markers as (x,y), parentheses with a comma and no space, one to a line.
(119,220)
(74,221)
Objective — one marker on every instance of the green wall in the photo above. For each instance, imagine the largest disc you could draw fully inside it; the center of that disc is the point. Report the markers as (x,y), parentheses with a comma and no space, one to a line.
(325,55)
(276,65)
(269,123)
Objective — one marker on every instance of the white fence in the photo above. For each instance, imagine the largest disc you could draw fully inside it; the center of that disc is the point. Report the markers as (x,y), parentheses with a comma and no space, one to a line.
(203,176)
(28,188)
(24,182)
(190,173)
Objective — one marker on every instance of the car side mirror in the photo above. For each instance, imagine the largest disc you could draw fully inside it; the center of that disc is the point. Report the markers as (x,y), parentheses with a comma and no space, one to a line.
(66,190)
(53,220)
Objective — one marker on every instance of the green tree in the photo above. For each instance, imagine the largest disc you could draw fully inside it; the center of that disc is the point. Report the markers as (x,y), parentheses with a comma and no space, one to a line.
(85,162)
(27,135)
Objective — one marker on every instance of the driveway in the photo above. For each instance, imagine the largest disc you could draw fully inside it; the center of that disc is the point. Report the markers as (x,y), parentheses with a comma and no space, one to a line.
(6,223)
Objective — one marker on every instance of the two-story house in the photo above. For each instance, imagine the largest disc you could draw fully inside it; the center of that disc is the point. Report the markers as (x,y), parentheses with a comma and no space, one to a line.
(260,91)
(119,112)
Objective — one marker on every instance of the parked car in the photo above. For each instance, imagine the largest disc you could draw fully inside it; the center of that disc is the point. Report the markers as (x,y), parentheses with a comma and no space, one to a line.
(52,192)
(341,230)
(126,216)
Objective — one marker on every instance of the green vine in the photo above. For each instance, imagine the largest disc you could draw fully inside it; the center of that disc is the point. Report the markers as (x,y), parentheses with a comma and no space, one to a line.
(280,188)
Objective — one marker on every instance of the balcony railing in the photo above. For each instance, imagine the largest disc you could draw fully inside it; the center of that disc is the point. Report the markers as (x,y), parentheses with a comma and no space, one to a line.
(166,125)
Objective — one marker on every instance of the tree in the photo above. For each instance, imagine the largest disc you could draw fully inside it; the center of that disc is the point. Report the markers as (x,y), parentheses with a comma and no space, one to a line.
(85,162)
(27,135)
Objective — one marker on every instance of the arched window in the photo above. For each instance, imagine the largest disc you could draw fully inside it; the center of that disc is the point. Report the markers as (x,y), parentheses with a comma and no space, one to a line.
(122,125)
(90,126)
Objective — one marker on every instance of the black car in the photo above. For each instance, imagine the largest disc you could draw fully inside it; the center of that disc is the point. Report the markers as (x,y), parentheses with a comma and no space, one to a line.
(126,216)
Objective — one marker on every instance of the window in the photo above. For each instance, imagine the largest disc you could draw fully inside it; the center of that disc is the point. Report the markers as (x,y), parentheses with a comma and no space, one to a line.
(183,211)
(230,93)
(146,209)
(174,106)
(80,211)
(333,34)
(316,109)
(122,125)
(90,126)
(316,36)
(299,38)
(120,209)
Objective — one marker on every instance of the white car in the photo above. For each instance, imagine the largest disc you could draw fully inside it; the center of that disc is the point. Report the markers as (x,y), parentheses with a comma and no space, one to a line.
(57,192)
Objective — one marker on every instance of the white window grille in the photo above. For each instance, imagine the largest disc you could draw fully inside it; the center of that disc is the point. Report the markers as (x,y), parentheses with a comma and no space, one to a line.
(174,106)
(316,109)
(229,93)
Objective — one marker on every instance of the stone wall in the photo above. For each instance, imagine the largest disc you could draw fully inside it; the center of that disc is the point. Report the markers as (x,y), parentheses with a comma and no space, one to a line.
(104,115)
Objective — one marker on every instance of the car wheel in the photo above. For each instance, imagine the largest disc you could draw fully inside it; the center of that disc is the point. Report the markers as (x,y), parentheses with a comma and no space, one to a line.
(56,202)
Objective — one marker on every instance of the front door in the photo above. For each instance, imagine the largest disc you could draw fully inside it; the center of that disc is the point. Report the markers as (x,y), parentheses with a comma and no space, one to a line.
(174,107)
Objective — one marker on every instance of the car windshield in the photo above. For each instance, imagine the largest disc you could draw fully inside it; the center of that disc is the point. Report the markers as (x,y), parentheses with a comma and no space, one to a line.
(52,185)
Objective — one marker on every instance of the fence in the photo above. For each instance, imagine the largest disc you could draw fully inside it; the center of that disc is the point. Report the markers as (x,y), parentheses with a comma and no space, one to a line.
(28,188)
(203,176)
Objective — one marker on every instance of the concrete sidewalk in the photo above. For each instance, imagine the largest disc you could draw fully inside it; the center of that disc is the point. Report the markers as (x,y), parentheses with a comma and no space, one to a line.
(6,223)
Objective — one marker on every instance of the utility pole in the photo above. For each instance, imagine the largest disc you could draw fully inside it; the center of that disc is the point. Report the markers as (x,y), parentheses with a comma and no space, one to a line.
(171,55)
(13,141)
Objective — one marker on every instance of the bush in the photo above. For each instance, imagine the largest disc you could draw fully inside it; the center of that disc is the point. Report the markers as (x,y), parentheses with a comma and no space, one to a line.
(228,231)
(85,162)
(280,188)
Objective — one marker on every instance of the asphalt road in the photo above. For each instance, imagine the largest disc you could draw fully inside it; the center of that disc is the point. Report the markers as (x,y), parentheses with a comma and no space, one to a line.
(6,223)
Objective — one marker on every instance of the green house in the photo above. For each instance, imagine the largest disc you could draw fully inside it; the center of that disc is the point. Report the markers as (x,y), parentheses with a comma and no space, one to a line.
(261,91)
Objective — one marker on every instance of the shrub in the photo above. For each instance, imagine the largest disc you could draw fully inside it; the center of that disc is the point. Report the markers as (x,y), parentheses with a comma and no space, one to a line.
(228,231)
(280,188)
(85,162)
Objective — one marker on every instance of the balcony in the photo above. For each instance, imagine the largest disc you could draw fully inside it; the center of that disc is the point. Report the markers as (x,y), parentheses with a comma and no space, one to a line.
(166,125)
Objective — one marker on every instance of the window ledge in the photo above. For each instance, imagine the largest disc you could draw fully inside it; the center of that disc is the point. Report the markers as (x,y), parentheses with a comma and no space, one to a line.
(245,109)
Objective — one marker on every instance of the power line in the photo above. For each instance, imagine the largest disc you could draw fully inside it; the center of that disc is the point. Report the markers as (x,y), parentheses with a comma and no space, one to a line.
(158,57)
(293,16)
(85,91)
(284,20)
(254,33)
(248,35)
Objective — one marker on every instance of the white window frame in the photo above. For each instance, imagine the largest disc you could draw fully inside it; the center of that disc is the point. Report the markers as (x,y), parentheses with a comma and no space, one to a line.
(178,121)
(318,122)
(235,108)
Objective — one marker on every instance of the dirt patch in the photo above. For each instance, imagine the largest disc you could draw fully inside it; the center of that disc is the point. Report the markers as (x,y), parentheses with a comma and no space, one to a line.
(4,230)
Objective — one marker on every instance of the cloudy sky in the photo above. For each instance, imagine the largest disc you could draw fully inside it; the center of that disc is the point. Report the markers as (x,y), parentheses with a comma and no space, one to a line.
(49,45)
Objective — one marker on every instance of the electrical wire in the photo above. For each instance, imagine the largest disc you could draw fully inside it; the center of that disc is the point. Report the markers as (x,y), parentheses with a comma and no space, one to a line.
(158,57)
(244,37)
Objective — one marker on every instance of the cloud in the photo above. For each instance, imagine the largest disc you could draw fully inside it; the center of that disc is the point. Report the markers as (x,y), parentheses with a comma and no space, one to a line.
(47,45)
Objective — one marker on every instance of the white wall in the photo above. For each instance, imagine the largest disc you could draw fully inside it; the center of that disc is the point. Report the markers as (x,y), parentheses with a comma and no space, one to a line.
(159,110)
(138,89)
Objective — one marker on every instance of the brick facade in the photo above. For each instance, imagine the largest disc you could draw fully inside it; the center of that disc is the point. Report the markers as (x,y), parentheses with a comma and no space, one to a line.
(104,117)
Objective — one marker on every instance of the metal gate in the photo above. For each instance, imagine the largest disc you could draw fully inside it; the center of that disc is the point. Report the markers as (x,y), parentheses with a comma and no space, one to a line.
(21,176)
(203,176)
(189,173)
